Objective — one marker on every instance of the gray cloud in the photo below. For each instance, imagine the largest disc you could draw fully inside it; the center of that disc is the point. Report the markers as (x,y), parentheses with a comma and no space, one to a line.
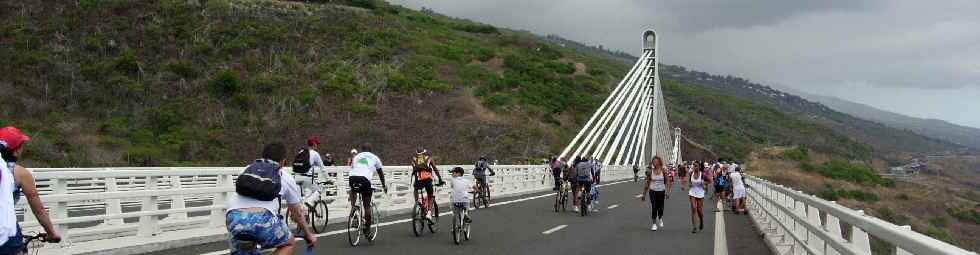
(854,49)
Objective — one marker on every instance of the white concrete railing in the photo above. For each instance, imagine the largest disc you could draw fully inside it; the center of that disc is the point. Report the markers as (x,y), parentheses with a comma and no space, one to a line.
(799,223)
(105,203)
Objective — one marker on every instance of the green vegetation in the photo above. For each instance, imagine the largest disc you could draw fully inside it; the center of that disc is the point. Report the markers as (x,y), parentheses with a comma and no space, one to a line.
(965,214)
(841,170)
(832,194)
(732,127)
(173,82)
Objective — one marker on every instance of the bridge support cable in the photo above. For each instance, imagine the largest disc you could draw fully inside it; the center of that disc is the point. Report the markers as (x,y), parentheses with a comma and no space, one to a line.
(585,146)
(601,108)
(630,126)
(619,128)
(631,140)
(594,129)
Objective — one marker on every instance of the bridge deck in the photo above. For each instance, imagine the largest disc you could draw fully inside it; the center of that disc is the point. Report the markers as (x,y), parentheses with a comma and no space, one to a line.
(516,226)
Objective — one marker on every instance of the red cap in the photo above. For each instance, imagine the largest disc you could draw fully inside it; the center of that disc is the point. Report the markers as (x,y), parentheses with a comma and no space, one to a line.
(313,141)
(12,137)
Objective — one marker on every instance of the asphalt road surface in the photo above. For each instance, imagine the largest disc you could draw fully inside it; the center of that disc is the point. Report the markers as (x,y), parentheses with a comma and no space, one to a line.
(529,225)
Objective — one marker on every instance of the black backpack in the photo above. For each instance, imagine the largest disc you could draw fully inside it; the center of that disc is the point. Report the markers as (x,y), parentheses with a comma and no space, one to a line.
(260,180)
(301,164)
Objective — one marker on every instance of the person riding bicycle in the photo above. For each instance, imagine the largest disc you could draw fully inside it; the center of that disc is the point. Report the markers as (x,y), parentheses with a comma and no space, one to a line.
(363,167)
(480,171)
(422,169)
(16,181)
(310,166)
(557,163)
(461,191)
(584,179)
(251,215)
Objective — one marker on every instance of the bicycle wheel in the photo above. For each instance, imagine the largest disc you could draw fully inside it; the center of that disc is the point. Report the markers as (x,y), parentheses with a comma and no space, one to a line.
(457,227)
(564,201)
(583,207)
(486,196)
(557,200)
(319,216)
(435,217)
(376,221)
(466,227)
(418,220)
(354,227)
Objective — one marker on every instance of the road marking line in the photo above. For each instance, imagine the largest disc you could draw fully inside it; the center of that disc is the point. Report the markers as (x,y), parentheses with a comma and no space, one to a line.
(552,230)
(612,206)
(721,241)
(344,230)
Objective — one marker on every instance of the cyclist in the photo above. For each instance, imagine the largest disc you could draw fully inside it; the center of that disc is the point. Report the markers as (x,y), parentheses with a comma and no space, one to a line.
(17,180)
(461,191)
(584,178)
(364,165)
(422,170)
(480,171)
(251,216)
(556,165)
(307,180)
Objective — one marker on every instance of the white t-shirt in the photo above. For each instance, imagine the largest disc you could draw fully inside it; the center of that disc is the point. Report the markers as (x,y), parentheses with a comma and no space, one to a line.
(289,193)
(461,189)
(316,163)
(737,180)
(364,164)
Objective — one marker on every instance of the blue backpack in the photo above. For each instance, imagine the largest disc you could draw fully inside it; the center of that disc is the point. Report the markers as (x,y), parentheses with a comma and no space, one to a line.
(722,182)
(260,180)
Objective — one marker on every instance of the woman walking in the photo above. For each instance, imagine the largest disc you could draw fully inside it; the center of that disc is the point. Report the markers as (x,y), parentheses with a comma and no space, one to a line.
(738,190)
(697,185)
(658,189)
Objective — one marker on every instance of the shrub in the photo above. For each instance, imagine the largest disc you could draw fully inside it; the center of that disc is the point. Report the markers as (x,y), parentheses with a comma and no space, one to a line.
(477,28)
(891,216)
(562,68)
(183,68)
(799,154)
(964,214)
(225,84)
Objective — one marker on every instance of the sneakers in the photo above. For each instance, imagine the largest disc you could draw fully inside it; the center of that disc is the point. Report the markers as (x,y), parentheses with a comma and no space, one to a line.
(311,199)
(694,230)
(660,222)
(575,208)
(654,227)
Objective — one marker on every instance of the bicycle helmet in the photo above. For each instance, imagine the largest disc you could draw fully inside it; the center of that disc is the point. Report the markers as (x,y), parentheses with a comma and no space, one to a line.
(457,170)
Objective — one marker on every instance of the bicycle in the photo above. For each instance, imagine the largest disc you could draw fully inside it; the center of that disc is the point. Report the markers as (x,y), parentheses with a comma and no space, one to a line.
(418,214)
(461,228)
(356,220)
(29,238)
(483,196)
(316,213)
(583,200)
(561,198)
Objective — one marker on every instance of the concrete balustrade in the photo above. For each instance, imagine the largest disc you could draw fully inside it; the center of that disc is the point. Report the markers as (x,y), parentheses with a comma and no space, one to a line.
(135,210)
(797,223)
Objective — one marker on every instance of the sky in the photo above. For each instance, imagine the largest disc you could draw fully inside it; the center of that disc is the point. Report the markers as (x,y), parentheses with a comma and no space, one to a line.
(919,58)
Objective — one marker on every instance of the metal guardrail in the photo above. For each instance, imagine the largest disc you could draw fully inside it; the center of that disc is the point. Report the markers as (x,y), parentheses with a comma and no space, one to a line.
(104,203)
(799,223)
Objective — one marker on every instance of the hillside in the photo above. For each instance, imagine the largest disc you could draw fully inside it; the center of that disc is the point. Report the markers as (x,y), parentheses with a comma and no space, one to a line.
(174,82)
(890,143)
(938,129)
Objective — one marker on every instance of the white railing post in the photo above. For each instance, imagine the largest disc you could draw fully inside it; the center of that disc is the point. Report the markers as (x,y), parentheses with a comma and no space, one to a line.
(899,250)
(60,210)
(177,201)
(833,226)
(149,224)
(217,218)
(859,238)
(113,206)
(813,218)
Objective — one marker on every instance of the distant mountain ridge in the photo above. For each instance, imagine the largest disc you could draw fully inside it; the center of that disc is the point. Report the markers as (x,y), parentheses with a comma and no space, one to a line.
(935,128)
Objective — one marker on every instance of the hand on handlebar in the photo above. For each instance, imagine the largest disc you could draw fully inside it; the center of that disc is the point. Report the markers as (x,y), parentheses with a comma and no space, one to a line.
(441,183)
(52,238)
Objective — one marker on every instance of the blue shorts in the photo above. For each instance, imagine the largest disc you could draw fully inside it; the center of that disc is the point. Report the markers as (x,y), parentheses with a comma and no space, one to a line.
(268,229)
(13,245)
